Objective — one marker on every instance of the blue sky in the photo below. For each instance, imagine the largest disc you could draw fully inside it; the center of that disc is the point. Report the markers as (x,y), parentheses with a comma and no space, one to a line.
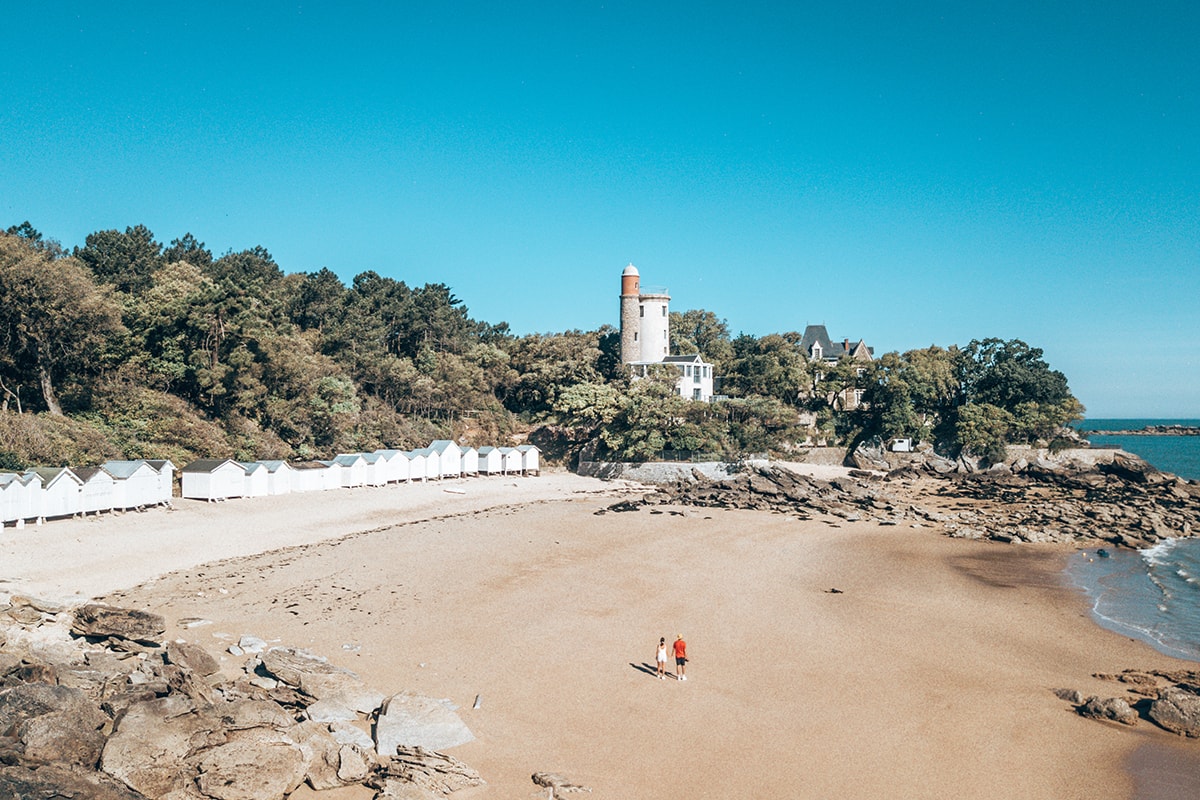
(910,174)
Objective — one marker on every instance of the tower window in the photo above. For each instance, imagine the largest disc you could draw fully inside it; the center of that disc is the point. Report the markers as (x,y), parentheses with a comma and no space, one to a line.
(664,308)
(641,311)
(635,336)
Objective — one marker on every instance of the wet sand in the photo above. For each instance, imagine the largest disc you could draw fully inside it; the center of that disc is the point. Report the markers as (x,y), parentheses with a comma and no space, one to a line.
(931,673)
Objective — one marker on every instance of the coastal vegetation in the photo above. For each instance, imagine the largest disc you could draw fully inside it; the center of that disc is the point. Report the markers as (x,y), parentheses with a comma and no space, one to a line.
(126,347)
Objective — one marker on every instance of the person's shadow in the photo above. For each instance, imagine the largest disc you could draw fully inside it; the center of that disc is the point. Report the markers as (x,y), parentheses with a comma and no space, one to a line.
(649,669)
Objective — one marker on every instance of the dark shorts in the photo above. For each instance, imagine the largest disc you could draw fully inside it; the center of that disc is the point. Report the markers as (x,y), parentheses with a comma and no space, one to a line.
(679,662)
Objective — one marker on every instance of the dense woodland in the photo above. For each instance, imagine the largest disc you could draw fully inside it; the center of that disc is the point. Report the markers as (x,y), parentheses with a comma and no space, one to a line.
(129,348)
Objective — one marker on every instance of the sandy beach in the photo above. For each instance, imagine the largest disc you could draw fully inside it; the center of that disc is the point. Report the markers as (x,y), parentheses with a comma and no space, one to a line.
(929,674)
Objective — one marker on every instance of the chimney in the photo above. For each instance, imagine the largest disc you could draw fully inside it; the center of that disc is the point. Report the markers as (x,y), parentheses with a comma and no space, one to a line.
(846,346)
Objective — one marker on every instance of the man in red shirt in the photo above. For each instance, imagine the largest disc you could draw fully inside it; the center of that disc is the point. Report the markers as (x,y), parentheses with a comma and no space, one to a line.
(680,657)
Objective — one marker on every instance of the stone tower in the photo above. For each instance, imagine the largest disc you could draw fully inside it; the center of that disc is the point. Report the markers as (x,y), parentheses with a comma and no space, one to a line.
(631,347)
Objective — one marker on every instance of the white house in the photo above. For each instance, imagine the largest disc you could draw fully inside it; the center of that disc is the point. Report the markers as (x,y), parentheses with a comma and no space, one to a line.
(511,460)
(530,456)
(135,484)
(395,465)
(449,458)
(166,478)
(354,468)
(491,461)
(96,493)
(279,477)
(61,491)
(258,479)
(470,461)
(213,479)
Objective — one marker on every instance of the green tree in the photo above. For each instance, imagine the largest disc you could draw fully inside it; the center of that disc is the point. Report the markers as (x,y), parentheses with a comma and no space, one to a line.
(57,327)
(123,260)
(983,430)
(700,331)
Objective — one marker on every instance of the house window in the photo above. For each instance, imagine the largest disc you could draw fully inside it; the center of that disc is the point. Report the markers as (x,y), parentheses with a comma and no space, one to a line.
(695,394)
(687,370)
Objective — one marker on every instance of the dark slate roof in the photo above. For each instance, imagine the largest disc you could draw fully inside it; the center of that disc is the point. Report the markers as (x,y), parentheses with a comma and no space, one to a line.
(694,358)
(308,465)
(207,464)
(87,473)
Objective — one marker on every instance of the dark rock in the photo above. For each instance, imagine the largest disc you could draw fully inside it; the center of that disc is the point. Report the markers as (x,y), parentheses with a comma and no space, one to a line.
(95,620)
(54,782)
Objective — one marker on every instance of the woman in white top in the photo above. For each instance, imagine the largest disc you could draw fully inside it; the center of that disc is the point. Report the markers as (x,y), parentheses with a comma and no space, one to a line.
(661,659)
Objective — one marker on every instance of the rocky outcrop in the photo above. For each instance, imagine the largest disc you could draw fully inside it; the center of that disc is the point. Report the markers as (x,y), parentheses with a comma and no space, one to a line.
(1125,502)
(92,705)
(1171,699)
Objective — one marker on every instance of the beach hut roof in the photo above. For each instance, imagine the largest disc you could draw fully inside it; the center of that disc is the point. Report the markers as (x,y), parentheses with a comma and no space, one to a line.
(525,448)
(422,451)
(7,478)
(251,467)
(442,445)
(347,459)
(159,463)
(85,474)
(386,453)
(309,465)
(274,465)
(371,458)
(51,474)
(207,464)
(123,469)
(483,451)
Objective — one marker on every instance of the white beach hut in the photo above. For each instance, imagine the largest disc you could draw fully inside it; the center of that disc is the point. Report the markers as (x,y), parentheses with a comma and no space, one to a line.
(512,460)
(258,479)
(433,463)
(279,477)
(395,465)
(166,478)
(213,479)
(354,468)
(491,461)
(11,491)
(470,461)
(449,458)
(96,493)
(416,465)
(377,469)
(307,476)
(61,491)
(135,483)
(530,458)
(333,474)
(25,500)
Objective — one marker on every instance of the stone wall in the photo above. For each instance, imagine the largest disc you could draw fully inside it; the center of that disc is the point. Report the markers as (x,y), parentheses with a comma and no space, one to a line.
(660,471)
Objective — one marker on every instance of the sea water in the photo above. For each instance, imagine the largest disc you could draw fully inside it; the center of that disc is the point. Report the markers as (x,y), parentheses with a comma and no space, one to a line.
(1153,594)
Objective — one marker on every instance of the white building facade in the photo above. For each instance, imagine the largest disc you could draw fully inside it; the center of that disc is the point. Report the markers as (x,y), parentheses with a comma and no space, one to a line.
(646,339)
